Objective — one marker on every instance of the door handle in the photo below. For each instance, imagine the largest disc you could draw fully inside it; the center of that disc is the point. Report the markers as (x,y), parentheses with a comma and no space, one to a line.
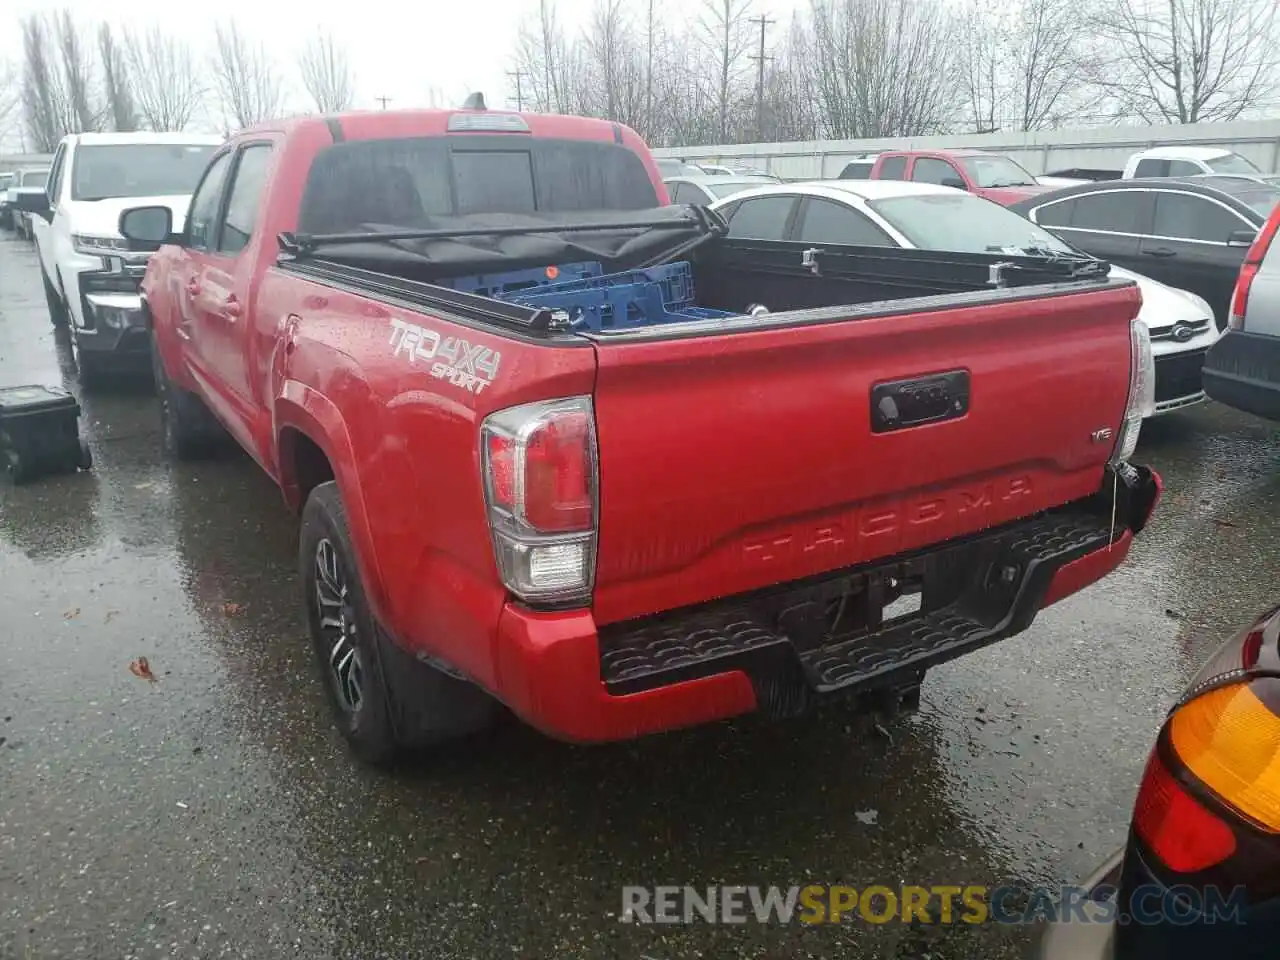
(231,307)
(193,287)
(1160,252)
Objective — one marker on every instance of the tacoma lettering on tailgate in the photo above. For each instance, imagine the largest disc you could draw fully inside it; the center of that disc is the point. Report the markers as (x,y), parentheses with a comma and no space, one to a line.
(866,523)
(470,366)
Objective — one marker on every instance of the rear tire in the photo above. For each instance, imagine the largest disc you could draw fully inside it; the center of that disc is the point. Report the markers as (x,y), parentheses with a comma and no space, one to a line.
(421,706)
(85,460)
(188,430)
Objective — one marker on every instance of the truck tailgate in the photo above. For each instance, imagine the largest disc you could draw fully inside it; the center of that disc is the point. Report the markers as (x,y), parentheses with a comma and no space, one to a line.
(736,460)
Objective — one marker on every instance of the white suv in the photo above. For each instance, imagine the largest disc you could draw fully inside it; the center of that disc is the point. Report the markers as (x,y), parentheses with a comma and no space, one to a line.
(90,278)
(1243,368)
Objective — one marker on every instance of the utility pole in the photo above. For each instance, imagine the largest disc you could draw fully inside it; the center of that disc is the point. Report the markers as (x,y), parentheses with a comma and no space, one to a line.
(764,22)
(518,77)
(384,101)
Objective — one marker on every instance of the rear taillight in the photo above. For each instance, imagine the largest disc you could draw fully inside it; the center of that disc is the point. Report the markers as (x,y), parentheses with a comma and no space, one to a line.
(1229,740)
(1249,270)
(1177,828)
(539,465)
(1141,402)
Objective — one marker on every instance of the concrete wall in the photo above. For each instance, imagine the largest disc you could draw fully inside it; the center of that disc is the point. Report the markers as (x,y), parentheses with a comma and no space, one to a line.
(1101,147)
(12,161)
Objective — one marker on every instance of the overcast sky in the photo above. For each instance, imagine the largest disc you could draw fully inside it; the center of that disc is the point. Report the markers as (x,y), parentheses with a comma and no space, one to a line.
(405,50)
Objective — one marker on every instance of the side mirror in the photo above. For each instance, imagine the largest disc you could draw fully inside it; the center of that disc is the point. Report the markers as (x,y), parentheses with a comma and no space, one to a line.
(33,201)
(146,228)
(1242,238)
(954,182)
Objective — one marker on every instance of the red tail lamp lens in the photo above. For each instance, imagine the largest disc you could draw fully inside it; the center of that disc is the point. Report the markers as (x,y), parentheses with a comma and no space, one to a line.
(1179,830)
(558,475)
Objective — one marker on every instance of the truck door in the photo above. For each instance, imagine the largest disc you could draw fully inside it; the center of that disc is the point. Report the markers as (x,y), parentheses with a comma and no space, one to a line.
(186,277)
(227,280)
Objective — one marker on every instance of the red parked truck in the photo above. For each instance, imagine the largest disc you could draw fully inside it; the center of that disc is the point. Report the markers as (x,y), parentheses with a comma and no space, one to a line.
(989,175)
(560,446)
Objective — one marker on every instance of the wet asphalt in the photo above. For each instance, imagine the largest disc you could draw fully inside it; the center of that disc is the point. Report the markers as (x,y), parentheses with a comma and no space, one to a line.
(214,813)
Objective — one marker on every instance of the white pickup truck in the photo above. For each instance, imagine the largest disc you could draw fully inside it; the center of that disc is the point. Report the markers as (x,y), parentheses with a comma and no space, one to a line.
(90,278)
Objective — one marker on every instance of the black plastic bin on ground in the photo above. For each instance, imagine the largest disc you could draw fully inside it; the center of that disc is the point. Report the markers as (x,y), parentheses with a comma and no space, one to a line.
(40,432)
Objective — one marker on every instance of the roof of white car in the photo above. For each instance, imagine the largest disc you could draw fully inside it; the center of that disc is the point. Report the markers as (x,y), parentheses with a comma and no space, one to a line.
(1189,153)
(845,189)
(147,136)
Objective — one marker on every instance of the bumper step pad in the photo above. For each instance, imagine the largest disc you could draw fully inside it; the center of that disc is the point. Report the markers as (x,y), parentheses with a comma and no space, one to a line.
(1005,574)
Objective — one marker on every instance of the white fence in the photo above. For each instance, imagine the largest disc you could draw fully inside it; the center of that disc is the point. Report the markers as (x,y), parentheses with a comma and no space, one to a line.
(15,161)
(1097,147)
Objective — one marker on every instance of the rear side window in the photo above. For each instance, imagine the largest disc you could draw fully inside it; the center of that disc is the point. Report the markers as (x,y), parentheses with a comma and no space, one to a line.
(1152,167)
(1112,212)
(405,182)
(1184,168)
(1056,214)
(893,168)
(828,222)
(763,218)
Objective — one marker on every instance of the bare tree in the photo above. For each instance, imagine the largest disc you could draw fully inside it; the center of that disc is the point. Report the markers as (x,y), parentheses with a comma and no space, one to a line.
(883,68)
(10,95)
(326,74)
(553,66)
(164,79)
(247,84)
(1192,61)
(116,82)
(77,74)
(43,100)
(724,28)
(1023,66)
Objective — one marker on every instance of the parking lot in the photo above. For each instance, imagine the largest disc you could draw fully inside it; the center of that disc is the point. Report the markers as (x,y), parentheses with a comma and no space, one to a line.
(215,813)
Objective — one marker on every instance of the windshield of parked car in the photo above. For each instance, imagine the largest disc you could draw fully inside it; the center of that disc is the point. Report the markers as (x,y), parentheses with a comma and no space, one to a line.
(1231,163)
(405,182)
(102,171)
(963,223)
(32,178)
(996,172)
(723,189)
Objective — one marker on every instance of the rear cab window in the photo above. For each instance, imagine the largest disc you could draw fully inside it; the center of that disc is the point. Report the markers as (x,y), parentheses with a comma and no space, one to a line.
(405,182)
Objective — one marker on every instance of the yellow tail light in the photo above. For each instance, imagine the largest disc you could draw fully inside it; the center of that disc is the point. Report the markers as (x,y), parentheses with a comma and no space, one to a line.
(1230,740)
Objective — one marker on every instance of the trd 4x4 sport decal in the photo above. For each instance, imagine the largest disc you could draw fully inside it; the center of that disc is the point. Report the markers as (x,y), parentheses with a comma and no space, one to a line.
(470,366)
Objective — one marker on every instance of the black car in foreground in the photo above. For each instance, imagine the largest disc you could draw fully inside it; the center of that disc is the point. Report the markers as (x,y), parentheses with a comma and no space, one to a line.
(1188,232)
(1200,874)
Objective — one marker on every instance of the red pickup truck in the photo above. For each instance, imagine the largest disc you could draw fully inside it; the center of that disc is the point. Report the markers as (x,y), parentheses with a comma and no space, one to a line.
(989,175)
(560,446)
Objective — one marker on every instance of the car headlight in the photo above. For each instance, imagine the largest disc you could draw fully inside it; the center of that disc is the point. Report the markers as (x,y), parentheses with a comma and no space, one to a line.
(97,246)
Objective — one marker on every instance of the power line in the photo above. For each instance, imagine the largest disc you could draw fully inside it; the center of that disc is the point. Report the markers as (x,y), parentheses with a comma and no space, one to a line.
(384,101)
(764,22)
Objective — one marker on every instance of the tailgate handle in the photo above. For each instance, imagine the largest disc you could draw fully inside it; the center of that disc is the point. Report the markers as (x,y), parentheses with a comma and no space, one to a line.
(898,404)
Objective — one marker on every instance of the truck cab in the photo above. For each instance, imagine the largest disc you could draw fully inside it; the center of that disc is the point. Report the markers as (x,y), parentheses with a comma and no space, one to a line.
(90,276)
(989,175)
(1187,161)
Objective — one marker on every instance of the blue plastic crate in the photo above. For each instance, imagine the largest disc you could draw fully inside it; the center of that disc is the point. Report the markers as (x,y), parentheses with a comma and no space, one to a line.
(675,280)
(502,285)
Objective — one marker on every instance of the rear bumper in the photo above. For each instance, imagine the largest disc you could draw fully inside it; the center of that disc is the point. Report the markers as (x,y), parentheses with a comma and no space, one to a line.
(579,683)
(1243,371)
(1090,933)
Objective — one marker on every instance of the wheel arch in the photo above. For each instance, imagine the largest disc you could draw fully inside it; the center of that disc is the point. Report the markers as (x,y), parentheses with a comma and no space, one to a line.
(312,446)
